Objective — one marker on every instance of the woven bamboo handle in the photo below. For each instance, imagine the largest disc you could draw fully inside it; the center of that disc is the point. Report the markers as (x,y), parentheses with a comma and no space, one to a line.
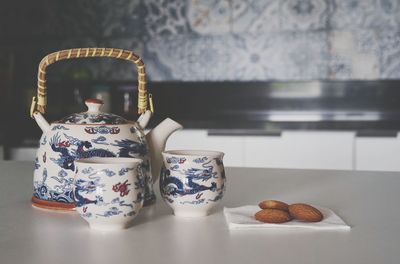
(40,101)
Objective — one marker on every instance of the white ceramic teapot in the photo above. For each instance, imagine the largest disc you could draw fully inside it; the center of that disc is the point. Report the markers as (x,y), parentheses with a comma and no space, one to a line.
(92,134)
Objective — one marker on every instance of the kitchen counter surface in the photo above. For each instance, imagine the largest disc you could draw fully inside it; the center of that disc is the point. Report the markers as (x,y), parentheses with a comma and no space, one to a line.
(367,201)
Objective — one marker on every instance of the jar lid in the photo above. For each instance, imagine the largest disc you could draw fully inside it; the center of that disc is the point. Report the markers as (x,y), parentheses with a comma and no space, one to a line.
(93,115)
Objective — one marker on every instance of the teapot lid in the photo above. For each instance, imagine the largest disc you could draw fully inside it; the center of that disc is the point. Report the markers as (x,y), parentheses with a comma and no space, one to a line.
(93,115)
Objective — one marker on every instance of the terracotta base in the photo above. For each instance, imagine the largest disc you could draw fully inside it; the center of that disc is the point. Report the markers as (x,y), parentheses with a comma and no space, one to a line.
(51,205)
(57,206)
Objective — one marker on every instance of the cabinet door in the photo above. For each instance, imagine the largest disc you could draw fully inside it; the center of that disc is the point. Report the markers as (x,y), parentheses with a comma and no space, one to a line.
(23,154)
(232,146)
(308,150)
(378,154)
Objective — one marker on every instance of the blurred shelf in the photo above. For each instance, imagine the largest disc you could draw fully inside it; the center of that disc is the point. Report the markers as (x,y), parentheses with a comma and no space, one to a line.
(264,107)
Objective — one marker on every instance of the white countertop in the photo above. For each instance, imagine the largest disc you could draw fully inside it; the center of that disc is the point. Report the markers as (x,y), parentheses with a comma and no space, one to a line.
(368,201)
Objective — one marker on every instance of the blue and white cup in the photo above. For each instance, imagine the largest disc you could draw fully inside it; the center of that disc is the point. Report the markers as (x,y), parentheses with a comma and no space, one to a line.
(192,182)
(109,192)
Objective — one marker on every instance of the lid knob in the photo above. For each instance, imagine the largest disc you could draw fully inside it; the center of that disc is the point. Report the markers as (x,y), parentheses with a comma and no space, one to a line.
(93,105)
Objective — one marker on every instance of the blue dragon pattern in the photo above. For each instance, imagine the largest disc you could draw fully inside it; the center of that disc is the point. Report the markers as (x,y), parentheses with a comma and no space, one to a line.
(87,187)
(130,148)
(67,149)
(172,185)
(83,150)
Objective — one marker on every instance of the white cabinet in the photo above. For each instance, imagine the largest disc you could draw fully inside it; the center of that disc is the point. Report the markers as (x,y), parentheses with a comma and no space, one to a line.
(308,150)
(232,146)
(24,154)
(292,149)
(378,154)
(311,150)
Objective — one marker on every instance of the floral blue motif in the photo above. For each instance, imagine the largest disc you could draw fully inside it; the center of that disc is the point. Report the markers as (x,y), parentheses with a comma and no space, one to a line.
(87,215)
(62,173)
(65,183)
(37,164)
(59,127)
(175,167)
(218,197)
(60,193)
(121,203)
(100,140)
(174,160)
(87,170)
(200,201)
(44,141)
(200,160)
(112,211)
(131,213)
(102,130)
(123,171)
(108,172)
(141,180)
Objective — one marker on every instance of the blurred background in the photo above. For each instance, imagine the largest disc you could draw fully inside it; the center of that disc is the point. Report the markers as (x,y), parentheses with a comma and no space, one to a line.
(273,83)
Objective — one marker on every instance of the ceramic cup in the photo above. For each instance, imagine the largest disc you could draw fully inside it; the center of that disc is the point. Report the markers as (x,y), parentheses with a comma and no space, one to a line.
(108,192)
(192,181)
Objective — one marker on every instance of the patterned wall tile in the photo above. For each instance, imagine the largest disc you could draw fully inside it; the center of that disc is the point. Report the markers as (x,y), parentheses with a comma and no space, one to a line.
(221,39)
(354,55)
(254,16)
(339,67)
(390,54)
(123,18)
(282,56)
(165,17)
(353,14)
(305,55)
(210,16)
(190,58)
(254,58)
(304,14)
(115,69)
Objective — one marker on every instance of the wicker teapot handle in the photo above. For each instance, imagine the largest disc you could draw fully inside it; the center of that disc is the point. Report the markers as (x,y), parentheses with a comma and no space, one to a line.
(39,102)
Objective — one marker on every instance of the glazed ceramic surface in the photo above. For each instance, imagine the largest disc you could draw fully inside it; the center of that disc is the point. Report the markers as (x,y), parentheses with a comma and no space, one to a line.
(85,135)
(109,191)
(192,182)
(66,142)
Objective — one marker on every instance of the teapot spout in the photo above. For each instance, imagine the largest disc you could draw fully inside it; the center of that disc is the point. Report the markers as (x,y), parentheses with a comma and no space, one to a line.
(42,123)
(157,139)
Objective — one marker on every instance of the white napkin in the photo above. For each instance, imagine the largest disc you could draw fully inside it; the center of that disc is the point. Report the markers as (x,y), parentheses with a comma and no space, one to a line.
(243,218)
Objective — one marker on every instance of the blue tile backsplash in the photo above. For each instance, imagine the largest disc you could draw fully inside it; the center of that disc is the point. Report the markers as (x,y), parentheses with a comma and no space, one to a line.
(216,40)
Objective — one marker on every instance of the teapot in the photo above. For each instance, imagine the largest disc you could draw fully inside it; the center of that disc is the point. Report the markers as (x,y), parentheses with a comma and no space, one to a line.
(93,134)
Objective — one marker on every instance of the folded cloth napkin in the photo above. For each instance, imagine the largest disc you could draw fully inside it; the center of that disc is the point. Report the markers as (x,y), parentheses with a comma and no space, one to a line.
(243,218)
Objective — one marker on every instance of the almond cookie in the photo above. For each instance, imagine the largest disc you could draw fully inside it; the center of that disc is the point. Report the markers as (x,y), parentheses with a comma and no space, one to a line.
(272,216)
(305,212)
(273,204)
